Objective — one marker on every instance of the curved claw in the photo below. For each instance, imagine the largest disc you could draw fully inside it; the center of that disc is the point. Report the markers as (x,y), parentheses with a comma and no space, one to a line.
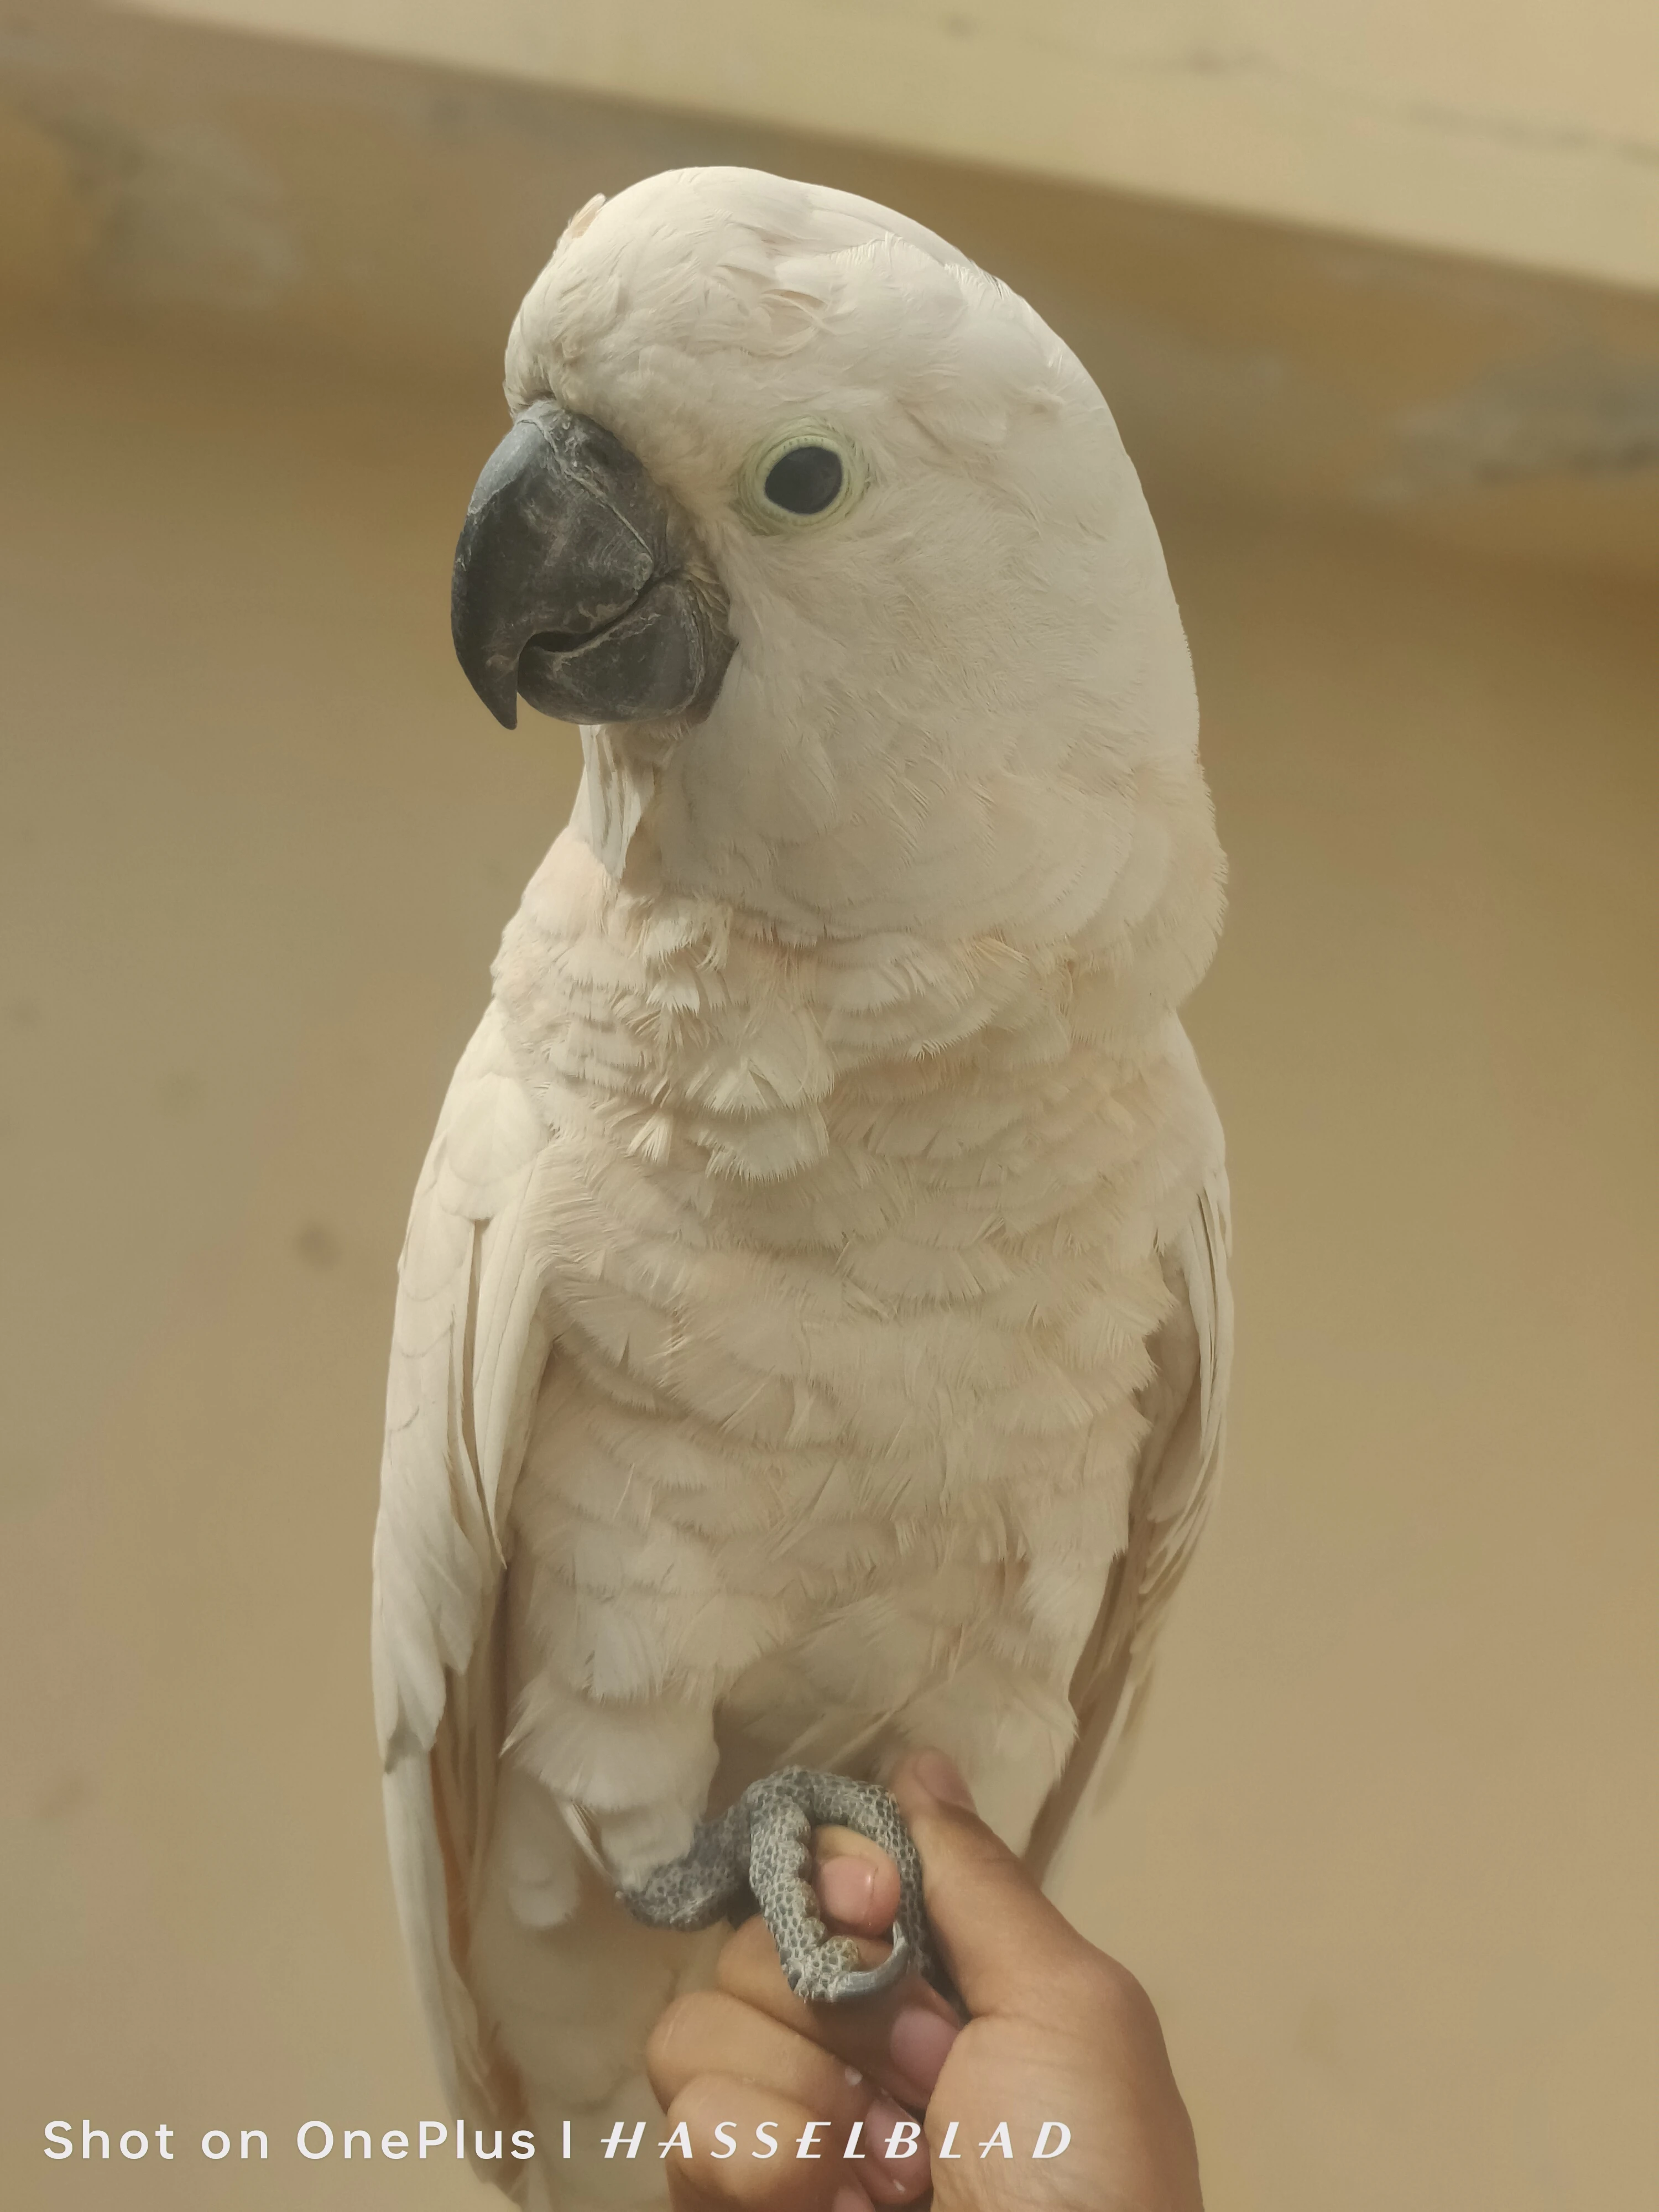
(871,1981)
(758,1853)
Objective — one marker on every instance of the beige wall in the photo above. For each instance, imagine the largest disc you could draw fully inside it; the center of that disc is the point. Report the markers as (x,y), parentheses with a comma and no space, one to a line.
(387,217)
(1384,1853)
(1526,131)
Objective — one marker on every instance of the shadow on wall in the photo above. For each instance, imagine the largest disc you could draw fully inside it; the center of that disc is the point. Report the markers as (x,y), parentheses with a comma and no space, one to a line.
(391,216)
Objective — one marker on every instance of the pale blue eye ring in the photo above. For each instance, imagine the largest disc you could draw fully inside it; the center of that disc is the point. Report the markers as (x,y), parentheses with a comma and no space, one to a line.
(806,475)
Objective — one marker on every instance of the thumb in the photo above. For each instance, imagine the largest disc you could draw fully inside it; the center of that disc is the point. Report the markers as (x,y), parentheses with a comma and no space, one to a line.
(1004,1946)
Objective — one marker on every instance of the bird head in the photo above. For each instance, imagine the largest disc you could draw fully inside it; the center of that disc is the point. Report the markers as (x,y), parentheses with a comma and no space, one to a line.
(832,548)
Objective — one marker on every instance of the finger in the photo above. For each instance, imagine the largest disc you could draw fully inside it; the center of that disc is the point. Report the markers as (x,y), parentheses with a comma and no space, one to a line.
(683,2195)
(1006,1947)
(709,2032)
(742,2145)
(898,2041)
(753,2148)
(857,1883)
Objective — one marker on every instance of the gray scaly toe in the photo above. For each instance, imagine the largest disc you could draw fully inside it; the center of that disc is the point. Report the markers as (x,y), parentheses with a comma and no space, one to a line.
(759,1854)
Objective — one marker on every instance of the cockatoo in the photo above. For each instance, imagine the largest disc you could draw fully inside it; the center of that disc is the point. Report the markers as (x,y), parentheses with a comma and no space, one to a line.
(812,1331)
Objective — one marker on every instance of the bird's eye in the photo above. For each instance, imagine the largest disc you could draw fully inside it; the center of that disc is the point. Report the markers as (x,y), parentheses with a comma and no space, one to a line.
(809,475)
(805,480)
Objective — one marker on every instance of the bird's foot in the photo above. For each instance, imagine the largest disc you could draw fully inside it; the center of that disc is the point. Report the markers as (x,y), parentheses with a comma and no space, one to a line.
(759,1853)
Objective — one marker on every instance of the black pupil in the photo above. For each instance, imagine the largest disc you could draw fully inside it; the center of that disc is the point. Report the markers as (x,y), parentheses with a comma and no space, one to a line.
(805,481)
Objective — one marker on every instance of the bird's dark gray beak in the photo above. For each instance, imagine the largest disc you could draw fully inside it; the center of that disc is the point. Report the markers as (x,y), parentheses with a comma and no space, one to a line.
(569,588)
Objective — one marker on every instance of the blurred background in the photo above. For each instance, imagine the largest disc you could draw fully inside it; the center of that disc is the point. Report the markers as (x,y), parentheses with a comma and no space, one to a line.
(1374,291)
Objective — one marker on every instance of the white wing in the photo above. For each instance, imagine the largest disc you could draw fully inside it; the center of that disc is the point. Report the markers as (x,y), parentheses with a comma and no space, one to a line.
(1175,1482)
(469,1342)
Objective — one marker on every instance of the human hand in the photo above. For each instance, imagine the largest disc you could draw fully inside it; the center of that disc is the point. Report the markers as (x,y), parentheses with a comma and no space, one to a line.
(1058,2032)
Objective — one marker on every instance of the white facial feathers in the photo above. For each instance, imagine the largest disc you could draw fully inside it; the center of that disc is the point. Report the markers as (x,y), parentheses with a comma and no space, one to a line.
(950,698)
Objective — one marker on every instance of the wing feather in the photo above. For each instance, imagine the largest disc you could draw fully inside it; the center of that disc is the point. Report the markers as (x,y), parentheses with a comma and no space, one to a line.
(1175,1483)
(469,1341)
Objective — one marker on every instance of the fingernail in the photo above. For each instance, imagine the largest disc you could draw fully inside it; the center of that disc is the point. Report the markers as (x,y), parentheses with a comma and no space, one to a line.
(880,2122)
(849,2197)
(940,1779)
(846,1887)
(920,2045)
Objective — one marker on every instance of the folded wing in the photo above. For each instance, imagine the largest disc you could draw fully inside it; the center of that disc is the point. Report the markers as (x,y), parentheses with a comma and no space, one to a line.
(469,1342)
(1175,1482)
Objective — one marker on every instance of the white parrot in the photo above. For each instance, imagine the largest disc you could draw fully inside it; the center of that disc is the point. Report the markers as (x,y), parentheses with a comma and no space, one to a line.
(813,1331)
